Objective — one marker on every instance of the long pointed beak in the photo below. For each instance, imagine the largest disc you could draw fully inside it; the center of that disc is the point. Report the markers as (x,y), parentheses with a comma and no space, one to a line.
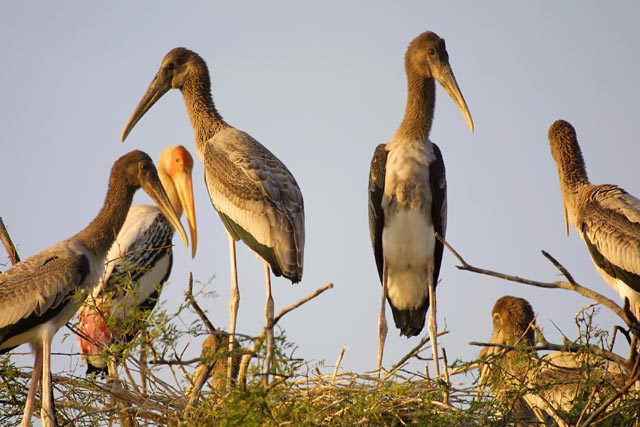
(158,87)
(154,188)
(184,188)
(445,76)
(566,218)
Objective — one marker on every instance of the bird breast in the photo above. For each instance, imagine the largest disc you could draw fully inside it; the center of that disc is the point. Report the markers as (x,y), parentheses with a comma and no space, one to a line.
(408,235)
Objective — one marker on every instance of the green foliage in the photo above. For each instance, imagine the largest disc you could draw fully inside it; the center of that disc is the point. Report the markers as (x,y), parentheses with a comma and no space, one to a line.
(303,393)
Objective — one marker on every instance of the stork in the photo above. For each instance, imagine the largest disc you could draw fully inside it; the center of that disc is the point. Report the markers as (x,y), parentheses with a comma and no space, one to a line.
(40,294)
(137,265)
(408,197)
(552,382)
(606,217)
(257,198)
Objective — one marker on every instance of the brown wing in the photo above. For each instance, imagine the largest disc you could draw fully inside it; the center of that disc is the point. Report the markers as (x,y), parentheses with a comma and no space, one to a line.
(38,285)
(258,199)
(437,178)
(377,173)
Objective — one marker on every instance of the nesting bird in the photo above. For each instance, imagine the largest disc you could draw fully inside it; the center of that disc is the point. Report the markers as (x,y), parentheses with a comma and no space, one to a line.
(40,294)
(257,198)
(137,265)
(606,217)
(547,385)
(408,196)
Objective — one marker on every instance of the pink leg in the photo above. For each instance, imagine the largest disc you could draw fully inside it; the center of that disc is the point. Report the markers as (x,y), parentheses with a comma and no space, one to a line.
(234,303)
(382,320)
(268,319)
(47,412)
(35,381)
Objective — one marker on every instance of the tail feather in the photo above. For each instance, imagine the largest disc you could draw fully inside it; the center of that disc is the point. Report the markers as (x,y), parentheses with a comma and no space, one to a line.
(96,371)
(410,322)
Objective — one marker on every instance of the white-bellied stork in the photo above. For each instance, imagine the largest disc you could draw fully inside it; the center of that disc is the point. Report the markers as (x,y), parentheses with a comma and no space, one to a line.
(40,294)
(606,217)
(408,197)
(254,193)
(137,265)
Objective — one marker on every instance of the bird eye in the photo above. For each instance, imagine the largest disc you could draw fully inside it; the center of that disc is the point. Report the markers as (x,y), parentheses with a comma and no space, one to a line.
(432,51)
(170,66)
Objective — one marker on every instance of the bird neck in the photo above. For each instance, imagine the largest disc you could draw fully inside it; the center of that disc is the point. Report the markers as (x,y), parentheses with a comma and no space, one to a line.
(418,115)
(100,234)
(573,177)
(172,193)
(205,119)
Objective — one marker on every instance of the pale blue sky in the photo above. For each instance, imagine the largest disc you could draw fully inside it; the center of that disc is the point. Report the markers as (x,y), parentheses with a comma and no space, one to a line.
(321,84)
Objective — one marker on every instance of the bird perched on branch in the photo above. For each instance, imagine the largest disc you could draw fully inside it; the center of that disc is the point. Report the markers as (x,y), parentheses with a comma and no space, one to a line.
(40,294)
(137,266)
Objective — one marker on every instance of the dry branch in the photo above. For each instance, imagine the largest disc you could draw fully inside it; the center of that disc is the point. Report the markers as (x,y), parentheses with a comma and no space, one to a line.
(570,285)
(257,343)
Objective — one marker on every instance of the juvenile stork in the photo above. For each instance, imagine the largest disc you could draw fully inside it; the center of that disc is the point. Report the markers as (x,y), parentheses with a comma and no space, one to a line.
(408,197)
(137,265)
(552,382)
(40,294)
(606,217)
(254,193)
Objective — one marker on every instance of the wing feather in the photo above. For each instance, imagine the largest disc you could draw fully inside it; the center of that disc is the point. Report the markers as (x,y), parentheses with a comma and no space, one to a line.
(376,214)
(612,234)
(253,188)
(39,284)
(438,181)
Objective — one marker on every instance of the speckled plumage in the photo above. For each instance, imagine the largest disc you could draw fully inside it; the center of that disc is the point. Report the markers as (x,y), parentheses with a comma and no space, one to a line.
(253,188)
(606,216)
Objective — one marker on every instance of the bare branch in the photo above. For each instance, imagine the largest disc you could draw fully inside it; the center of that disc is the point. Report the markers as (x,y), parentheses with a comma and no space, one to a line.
(257,343)
(199,311)
(573,348)
(567,285)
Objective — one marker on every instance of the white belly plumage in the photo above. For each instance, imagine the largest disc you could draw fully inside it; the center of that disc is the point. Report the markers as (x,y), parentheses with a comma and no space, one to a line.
(408,243)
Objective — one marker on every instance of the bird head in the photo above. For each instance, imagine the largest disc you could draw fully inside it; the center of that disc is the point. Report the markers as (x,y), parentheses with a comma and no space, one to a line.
(174,168)
(140,172)
(513,319)
(177,66)
(427,58)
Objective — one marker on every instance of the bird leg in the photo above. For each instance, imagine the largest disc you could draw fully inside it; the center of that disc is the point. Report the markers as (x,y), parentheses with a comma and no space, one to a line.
(234,303)
(268,318)
(382,320)
(35,382)
(48,410)
(433,327)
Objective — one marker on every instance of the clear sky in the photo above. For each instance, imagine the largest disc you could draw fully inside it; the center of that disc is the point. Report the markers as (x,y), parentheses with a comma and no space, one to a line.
(321,84)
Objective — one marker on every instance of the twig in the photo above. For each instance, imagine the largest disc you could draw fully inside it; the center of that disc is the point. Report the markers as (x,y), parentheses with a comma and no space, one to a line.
(573,348)
(257,343)
(569,285)
(446,377)
(335,371)
(414,351)
(8,244)
(199,311)
(615,397)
